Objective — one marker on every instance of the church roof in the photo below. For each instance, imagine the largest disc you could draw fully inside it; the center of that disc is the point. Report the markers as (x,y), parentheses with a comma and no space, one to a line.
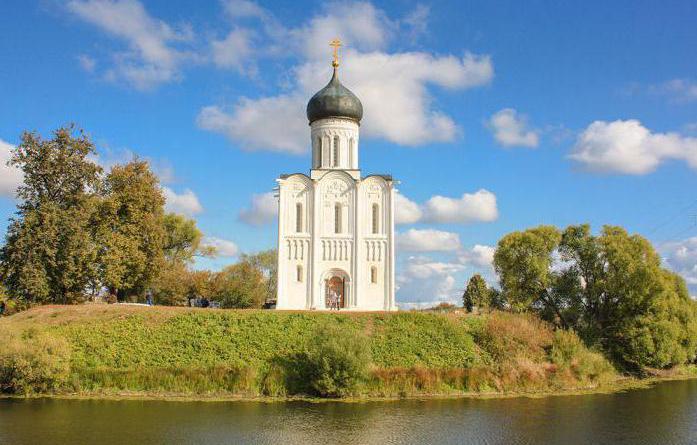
(334,100)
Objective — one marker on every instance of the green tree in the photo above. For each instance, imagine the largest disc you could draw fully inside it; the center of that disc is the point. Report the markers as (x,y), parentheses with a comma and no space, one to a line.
(609,288)
(477,294)
(267,262)
(171,288)
(49,252)
(132,231)
(647,316)
(183,239)
(240,285)
(522,262)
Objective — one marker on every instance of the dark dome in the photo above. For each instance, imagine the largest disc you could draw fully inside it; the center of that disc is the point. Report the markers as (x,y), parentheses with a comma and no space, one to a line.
(334,100)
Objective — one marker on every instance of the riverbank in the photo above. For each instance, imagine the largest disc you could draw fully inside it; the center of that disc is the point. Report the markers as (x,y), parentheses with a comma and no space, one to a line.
(622,385)
(113,351)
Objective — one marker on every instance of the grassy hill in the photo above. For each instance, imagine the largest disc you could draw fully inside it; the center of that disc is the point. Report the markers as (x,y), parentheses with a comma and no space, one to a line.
(116,349)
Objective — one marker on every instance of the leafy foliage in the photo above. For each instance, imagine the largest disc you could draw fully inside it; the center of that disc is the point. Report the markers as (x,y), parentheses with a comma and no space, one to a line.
(49,254)
(337,360)
(477,294)
(182,239)
(131,232)
(522,262)
(609,288)
(192,351)
(240,285)
(37,363)
(267,262)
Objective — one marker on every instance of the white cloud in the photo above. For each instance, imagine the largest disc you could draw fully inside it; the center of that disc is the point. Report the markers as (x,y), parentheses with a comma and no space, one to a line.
(630,148)
(681,257)
(360,25)
(417,20)
(424,280)
(480,256)
(223,247)
(479,206)
(263,210)
(470,207)
(405,210)
(249,123)
(186,203)
(234,50)
(428,240)
(87,63)
(394,88)
(511,129)
(10,177)
(152,57)
(243,9)
(680,90)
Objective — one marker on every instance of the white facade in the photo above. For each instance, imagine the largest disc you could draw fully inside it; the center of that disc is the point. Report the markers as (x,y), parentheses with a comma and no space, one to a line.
(335,228)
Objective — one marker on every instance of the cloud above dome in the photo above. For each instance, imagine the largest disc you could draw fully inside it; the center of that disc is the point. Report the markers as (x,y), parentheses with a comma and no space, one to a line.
(394,87)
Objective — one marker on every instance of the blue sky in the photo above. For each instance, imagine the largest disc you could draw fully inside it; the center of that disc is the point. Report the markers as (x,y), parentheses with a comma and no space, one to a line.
(495,116)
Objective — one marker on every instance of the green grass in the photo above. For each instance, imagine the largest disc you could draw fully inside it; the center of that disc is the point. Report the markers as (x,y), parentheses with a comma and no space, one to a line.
(117,349)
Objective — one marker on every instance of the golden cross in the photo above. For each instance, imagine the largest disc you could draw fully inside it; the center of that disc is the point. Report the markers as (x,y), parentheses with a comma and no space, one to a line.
(336,43)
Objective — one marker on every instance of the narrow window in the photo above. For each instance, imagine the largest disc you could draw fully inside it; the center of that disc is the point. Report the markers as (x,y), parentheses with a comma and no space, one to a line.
(351,155)
(376,214)
(337,218)
(336,151)
(299,274)
(298,217)
(319,152)
(373,274)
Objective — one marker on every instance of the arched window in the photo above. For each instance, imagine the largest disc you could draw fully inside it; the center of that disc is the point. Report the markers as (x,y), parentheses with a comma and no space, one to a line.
(337,218)
(299,274)
(375,219)
(373,274)
(351,154)
(319,152)
(298,217)
(336,151)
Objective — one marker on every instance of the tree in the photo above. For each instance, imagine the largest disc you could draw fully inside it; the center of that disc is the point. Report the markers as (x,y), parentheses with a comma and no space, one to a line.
(522,262)
(240,285)
(131,232)
(172,285)
(609,288)
(267,262)
(646,315)
(183,239)
(477,294)
(49,252)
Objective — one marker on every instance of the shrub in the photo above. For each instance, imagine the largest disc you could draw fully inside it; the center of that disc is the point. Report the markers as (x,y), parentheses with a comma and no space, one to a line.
(337,360)
(506,337)
(33,363)
(569,353)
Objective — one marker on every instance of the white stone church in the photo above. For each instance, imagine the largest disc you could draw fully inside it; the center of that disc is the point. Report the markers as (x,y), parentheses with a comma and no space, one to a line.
(336,227)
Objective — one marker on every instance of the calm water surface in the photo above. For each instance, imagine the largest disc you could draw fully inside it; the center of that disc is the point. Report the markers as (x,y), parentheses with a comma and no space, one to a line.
(665,414)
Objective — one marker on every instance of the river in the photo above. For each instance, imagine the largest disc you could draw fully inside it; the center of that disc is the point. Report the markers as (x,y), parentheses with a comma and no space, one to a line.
(664,414)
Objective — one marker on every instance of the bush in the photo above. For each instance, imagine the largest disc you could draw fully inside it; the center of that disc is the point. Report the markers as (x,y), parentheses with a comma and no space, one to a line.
(569,353)
(33,363)
(337,360)
(507,337)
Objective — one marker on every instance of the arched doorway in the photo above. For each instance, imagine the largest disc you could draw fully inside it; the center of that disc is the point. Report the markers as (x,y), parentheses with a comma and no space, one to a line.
(335,289)
(336,285)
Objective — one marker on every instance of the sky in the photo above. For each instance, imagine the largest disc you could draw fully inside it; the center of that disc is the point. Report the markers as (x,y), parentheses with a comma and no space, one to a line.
(494,116)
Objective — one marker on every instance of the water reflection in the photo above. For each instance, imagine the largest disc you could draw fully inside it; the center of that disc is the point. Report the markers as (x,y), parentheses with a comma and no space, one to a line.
(666,414)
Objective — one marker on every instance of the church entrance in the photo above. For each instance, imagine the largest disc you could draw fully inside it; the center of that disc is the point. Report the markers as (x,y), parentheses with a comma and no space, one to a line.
(334,295)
